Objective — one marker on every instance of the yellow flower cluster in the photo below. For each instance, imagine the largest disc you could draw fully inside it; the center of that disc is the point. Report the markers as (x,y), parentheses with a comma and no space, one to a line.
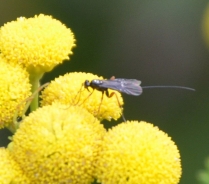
(136,152)
(69,89)
(58,144)
(12,93)
(63,144)
(63,141)
(38,43)
(205,25)
(10,171)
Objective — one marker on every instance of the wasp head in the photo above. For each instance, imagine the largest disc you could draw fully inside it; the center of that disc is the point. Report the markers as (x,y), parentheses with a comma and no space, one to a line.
(87,84)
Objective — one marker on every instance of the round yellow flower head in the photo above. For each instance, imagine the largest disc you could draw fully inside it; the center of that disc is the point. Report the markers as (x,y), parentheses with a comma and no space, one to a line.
(38,43)
(69,89)
(137,152)
(10,172)
(58,144)
(205,26)
(14,89)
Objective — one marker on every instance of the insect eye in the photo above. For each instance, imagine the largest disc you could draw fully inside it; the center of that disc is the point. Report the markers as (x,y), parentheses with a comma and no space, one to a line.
(86,83)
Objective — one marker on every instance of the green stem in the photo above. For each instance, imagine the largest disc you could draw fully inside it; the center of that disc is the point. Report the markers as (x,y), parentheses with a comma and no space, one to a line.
(13,127)
(32,101)
(34,104)
(34,80)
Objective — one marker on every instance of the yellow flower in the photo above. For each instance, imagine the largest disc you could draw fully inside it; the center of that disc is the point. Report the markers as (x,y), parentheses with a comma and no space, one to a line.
(58,144)
(39,43)
(137,152)
(10,171)
(14,89)
(205,26)
(69,90)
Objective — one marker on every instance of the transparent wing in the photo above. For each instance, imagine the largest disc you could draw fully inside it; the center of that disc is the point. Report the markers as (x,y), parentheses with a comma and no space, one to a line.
(128,86)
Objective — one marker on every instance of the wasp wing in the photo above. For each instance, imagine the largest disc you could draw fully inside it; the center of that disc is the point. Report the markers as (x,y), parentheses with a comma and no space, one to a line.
(128,86)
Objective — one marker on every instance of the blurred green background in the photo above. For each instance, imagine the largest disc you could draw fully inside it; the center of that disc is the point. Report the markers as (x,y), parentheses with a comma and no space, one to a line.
(157,42)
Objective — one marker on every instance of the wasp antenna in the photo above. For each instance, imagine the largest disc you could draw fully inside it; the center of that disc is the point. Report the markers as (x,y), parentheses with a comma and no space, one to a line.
(178,87)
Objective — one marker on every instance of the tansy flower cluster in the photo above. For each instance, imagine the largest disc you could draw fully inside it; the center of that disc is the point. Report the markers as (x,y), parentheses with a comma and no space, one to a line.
(138,152)
(10,171)
(12,94)
(69,90)
(63,140)
(38,43)
(57,144)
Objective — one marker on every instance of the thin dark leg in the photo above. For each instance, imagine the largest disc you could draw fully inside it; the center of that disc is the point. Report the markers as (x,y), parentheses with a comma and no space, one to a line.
(28,102)
(79,96)
(87,97)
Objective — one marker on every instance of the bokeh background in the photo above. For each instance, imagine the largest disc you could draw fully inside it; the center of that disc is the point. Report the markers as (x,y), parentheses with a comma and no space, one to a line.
(157,42)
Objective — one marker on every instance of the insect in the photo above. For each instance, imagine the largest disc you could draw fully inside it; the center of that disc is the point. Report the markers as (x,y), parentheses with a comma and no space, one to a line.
(127,86)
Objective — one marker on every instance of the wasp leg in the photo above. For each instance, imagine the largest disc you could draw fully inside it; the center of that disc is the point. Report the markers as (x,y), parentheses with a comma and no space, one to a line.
(87,97)
(111,95)
(78,95)
(100,104)
(28,102)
